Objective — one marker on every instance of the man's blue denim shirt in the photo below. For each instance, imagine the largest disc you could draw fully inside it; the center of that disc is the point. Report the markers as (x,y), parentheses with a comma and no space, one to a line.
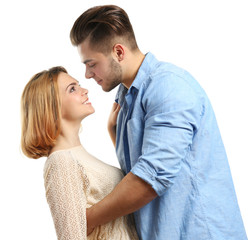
(167,135)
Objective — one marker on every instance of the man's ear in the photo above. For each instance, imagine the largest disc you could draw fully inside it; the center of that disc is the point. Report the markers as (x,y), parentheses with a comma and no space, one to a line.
(119,52)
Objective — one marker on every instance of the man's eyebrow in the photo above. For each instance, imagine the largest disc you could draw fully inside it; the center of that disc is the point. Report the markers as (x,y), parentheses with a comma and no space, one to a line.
(88,60)
(73,83)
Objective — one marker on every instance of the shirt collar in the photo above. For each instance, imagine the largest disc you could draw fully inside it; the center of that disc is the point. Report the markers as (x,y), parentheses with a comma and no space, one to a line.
(144,71)
(146,67)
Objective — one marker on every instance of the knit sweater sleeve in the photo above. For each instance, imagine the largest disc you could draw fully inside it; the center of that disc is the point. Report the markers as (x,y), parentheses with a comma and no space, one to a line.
(65,184)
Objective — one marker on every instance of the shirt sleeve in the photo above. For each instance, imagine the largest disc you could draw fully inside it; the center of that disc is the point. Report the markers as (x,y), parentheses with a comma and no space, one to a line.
(172,115)
(64,185)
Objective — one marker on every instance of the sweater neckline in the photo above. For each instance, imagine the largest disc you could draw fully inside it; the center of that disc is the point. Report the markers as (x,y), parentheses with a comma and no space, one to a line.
(66,149)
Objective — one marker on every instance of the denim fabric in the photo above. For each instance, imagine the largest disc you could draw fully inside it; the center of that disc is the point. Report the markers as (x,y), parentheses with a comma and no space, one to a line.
(167,135)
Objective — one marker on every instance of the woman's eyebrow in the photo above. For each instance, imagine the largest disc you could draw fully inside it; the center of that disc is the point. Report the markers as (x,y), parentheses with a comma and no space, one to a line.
(73,83)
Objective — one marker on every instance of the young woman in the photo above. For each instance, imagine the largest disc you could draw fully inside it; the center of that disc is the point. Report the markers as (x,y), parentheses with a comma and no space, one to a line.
(53,105)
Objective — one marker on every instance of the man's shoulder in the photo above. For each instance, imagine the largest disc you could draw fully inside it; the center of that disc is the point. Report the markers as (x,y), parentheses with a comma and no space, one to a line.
(156,65)
(166,70)
(167,74)
(167,79)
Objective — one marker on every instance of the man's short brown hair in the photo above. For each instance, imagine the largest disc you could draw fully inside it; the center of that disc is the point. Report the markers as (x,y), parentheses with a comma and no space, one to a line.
(102,26)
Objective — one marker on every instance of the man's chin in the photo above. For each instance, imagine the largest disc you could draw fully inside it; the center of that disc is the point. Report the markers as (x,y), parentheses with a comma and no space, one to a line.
(108,89)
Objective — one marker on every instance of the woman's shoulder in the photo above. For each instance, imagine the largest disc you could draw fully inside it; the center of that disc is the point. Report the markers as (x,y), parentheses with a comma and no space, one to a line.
(61,157)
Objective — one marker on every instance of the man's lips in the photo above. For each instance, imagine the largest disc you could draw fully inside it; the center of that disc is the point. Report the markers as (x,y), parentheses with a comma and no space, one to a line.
(99,82)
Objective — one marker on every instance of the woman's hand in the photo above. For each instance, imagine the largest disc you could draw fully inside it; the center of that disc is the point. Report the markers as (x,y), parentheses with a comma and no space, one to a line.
(112,121)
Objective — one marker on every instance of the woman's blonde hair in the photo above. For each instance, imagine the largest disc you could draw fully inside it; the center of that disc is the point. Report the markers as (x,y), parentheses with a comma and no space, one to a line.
(40,113)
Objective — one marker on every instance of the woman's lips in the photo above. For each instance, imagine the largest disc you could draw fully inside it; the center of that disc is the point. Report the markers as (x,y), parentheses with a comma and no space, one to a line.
(86,102)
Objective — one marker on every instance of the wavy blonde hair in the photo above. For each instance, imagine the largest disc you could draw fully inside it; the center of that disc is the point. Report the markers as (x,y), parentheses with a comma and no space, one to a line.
(40,113)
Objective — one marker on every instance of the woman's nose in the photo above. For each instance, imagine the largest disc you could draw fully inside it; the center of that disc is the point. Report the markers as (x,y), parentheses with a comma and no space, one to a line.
(84,91)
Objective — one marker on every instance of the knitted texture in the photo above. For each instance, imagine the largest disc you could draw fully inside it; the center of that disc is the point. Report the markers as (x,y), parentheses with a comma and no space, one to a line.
(75,180)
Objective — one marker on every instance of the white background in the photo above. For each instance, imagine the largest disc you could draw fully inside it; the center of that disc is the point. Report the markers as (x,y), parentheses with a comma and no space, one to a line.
(207,38)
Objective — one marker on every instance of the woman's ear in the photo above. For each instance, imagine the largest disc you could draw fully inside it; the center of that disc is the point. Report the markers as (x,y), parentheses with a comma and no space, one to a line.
(119,52)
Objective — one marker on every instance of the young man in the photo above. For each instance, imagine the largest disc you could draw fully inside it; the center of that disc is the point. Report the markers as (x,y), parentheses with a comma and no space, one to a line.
(177,180)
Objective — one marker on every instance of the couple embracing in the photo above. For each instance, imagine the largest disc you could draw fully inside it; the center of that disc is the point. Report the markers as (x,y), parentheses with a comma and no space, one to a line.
(174,182)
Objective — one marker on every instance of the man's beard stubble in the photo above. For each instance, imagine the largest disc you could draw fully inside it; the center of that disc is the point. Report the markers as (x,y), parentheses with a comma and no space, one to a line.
(115,76)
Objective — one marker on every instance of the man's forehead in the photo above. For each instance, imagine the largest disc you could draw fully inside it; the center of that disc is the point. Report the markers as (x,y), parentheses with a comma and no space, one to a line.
(85,52)
(88,55)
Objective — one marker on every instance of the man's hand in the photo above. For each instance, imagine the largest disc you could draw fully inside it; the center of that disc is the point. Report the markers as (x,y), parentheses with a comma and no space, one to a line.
(129,195)
(89,228)
(112,121)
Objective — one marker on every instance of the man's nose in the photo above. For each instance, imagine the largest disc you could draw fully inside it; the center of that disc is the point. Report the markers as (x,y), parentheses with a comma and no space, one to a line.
(88,73)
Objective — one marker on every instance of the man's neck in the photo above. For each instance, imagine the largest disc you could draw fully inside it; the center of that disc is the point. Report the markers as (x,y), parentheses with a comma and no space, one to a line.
(133,64)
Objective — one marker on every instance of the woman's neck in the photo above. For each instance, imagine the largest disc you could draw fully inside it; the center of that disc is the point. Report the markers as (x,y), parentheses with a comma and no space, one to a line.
(68,137)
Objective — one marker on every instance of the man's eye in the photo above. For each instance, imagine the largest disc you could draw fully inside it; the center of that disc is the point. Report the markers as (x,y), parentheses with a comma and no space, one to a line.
(92,65)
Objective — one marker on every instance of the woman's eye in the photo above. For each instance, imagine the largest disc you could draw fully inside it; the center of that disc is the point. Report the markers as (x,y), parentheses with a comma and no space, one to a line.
(72,89)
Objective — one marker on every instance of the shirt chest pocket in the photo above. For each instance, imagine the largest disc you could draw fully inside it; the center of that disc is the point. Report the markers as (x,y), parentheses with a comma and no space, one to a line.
(135,132)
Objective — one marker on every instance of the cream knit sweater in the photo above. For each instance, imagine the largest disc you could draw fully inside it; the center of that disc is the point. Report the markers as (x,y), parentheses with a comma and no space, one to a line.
(74,181)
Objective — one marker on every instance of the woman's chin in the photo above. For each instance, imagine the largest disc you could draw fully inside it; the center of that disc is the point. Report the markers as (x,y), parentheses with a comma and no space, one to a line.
(89,113)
